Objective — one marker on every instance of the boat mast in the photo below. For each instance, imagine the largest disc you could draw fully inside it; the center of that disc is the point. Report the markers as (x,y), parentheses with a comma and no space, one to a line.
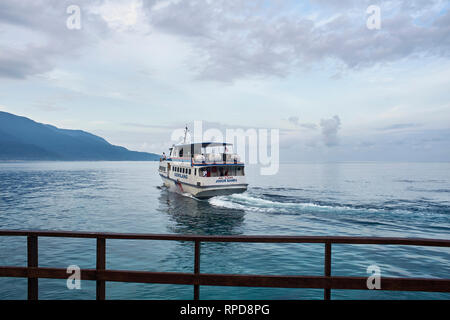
(185,134)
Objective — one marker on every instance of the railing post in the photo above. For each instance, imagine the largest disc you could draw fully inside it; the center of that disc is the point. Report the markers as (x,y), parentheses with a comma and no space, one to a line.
(32,262)
(101,265)
(327,267)
(197,268)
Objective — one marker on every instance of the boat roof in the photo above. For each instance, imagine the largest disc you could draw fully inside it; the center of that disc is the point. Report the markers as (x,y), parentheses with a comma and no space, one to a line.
(205,144)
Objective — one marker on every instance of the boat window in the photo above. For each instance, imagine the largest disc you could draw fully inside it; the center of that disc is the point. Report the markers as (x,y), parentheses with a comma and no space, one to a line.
(195,172)
(232,171)
(206,172)
(214,172)
(189,171)
(181,152)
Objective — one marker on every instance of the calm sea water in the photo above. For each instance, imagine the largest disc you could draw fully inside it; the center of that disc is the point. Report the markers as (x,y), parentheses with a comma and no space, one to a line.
(346,199)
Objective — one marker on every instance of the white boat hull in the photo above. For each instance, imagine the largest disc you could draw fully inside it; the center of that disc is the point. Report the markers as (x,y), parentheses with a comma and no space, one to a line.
(202,192)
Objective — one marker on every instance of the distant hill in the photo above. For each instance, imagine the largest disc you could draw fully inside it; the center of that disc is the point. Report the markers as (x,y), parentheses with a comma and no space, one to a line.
(24,139)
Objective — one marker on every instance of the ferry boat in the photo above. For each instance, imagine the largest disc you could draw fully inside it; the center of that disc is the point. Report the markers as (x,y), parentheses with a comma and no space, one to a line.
(203,170)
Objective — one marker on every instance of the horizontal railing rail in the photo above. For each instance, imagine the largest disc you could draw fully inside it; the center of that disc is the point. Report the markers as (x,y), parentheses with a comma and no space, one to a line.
(327,282)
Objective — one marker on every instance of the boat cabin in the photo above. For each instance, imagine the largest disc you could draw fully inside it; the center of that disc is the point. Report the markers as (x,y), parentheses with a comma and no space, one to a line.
(204,153)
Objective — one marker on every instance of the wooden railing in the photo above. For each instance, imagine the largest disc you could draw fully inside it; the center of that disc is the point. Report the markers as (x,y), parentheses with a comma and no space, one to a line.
(327,282)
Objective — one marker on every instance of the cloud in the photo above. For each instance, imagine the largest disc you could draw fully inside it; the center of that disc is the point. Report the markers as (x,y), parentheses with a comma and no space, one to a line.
(330,128)
(150,126)
(230,39)
(366,144)
(35,37)
(310,126)
(237,39)
(49,107)
(398,126)
(20,63)
(295,121)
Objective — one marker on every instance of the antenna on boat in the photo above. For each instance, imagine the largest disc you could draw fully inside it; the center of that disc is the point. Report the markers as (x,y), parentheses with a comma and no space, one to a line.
(185,134)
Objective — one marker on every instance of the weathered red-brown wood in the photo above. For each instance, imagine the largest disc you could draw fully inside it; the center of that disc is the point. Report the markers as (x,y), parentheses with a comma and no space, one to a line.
(197,269)
(327,271)
(32,262)
(326,282)
(101,265)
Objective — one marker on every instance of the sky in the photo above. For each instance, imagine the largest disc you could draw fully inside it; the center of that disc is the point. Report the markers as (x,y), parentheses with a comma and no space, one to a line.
(337,90)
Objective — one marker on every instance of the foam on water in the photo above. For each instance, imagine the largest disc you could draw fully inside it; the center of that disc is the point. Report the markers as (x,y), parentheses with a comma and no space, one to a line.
(252,202)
